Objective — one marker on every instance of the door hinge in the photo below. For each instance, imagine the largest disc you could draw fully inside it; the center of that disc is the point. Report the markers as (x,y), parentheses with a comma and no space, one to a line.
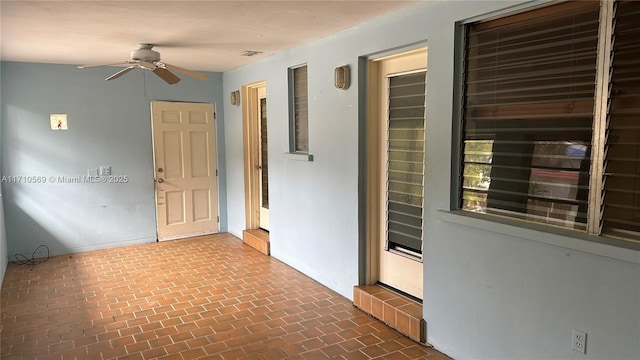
(218,219)
(214,116)
(216,172)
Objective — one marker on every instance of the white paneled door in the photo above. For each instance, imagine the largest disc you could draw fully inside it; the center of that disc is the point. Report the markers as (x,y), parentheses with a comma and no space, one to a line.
(185,169)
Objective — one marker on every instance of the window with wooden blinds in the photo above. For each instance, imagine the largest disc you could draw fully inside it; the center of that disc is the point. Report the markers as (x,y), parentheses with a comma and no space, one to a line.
(622,166)
(405,161)
(551,117)
(529,85)
(299,110)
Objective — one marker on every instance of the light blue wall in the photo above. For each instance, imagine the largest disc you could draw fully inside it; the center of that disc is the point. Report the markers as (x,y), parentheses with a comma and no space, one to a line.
(109,124)
(312,204)
(490,291)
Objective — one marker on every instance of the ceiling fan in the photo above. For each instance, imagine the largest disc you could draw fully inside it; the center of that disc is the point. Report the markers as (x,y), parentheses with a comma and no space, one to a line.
(146,58)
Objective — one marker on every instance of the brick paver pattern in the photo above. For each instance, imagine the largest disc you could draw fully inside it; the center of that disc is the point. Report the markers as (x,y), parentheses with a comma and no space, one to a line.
(209,297)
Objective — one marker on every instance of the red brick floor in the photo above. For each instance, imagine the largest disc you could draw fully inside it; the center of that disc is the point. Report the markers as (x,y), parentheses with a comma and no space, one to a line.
(203,298)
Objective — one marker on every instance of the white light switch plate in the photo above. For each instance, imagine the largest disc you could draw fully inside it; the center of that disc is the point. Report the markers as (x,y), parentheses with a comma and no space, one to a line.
(58,121)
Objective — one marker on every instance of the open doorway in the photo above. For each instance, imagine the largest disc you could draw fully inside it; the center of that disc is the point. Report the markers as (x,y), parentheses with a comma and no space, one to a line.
(256,166)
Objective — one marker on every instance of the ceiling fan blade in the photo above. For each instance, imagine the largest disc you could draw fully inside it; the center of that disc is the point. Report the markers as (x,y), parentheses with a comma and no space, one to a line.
(120,73)
(96,65)
(147,65)
(166,75)
(188,72)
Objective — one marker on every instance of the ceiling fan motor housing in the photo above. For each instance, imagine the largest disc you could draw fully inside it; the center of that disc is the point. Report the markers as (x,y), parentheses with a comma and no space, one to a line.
(144,53)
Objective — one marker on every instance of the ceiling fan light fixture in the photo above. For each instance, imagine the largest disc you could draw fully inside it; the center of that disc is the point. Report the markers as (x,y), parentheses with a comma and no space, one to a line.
(145,53)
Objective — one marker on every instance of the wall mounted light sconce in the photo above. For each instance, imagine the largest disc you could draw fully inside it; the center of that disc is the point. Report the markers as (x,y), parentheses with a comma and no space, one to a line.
(235,97)
(341,77)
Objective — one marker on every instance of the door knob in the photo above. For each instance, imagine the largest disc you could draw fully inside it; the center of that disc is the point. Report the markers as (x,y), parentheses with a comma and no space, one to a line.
(160,180)
(258,167)
(160,170)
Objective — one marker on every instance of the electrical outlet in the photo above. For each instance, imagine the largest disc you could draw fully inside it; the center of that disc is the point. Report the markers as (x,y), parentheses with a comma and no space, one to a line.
(579,341)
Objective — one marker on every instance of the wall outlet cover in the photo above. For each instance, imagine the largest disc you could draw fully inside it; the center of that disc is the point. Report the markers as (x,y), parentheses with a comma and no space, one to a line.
(579,341)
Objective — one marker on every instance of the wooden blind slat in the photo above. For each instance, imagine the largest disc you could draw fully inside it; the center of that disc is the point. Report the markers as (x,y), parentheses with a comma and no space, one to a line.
(573,6)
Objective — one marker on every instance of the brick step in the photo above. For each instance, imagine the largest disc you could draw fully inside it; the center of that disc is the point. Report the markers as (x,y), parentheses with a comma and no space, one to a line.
(396,310)
(257,239)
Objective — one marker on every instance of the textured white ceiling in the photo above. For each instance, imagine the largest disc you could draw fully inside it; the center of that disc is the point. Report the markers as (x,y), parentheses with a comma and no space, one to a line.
(199,35)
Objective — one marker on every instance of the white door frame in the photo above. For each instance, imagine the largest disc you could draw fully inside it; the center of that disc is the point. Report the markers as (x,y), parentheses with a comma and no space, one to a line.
(375,189)
(251,141)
